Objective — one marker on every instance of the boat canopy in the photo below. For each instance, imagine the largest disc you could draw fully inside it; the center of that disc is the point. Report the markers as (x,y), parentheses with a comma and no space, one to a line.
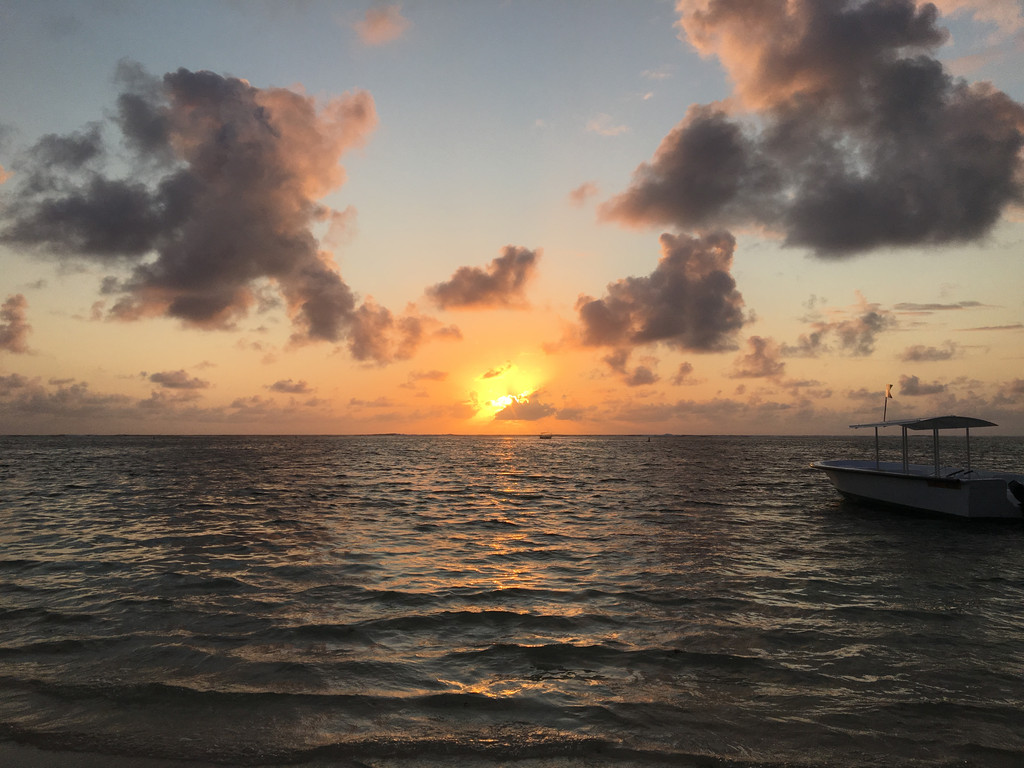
(933,422)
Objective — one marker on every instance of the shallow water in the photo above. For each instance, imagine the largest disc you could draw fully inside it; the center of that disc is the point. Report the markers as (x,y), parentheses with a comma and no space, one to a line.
(456,600)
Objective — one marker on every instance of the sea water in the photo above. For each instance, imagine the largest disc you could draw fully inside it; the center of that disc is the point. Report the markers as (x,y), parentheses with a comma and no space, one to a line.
(399,600)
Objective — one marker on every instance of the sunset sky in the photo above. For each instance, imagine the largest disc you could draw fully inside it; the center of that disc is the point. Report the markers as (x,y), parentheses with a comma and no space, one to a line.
(508,217)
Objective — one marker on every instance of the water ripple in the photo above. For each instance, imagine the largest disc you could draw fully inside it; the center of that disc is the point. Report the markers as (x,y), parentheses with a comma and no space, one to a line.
(474,601)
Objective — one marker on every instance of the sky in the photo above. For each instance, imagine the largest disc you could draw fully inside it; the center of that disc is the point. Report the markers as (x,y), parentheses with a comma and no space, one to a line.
(509,216)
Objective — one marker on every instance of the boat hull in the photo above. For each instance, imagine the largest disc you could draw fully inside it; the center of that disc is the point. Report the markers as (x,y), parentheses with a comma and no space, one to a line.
(920,489)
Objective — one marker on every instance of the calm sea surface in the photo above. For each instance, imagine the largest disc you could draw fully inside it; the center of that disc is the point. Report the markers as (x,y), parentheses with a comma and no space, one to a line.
(387,601)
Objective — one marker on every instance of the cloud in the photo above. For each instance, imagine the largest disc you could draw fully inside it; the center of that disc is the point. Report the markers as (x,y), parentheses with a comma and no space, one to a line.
(23,399)
(380,402)
(177,380)
(14,326)
(27,405)
(690,301)
(920,353)
(1010,327)
(378,335)
(448,333)
(582,193)
(495,372)
(656,74)
(290,387)
(854,330)
(603,125)
(218,201)
(859,138)
(640,376)
(381,25)
(417,376)
(714,414)
(761,360)
(1009,393)
(528,408)
(12,383)
(501,284)
(683,375)
(911,386)
(906,306)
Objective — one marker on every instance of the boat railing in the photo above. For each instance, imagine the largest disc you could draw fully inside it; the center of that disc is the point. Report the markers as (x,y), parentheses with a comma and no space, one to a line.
(934,424)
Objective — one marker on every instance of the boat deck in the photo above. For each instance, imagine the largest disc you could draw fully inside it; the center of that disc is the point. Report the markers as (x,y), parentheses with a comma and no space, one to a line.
(916,470)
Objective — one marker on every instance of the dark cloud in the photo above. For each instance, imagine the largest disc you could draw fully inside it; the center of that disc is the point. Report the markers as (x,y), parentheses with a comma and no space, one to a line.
(683,375)
(760,361)
(219,203)
(290,387)
(448,332)
(500,284)
(690,301)
(911,386)
(906,306)
(1010,327)
(378,335)
(857,335)
(528,408)
(12,383)
(920,353)
(55,154)
(640,375)
(14,326)
(861,139)
(1009,394)
(178,380)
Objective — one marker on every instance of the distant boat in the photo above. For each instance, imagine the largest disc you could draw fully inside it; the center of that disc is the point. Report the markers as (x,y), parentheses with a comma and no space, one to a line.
(546,435)
(959,491)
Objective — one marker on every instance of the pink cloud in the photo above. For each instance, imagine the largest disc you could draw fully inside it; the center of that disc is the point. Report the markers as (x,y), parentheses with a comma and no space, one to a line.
(14,326)
(582,193)
(381,25)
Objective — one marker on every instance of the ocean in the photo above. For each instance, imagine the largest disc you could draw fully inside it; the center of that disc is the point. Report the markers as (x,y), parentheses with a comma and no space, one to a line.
(492,601)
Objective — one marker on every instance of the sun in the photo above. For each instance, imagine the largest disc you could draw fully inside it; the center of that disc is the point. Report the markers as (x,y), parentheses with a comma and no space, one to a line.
(499,388)
(506,400)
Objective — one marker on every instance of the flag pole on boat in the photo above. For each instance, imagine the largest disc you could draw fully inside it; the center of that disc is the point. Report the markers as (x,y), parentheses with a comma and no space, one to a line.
(885,406)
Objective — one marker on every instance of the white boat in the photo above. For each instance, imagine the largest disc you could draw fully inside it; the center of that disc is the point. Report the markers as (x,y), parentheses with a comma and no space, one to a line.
(949,490)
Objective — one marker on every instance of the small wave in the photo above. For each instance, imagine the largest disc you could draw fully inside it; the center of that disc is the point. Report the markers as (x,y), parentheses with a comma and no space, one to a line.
(463,621)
